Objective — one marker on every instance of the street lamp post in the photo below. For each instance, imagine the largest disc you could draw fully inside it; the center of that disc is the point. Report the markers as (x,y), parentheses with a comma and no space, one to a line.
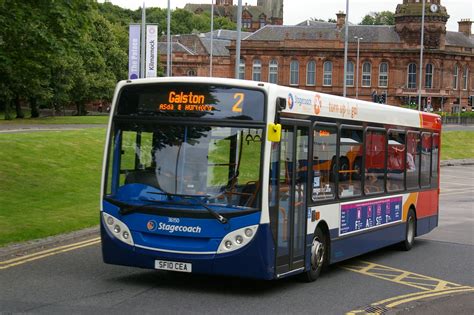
(346,39)
(421,53)
(212,39)
(357,67)
(168,39)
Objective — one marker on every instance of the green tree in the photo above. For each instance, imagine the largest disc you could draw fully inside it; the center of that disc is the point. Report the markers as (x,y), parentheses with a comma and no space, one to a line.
(379,18)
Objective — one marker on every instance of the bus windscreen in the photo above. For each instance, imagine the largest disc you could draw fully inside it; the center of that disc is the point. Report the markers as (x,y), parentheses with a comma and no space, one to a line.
(192,100)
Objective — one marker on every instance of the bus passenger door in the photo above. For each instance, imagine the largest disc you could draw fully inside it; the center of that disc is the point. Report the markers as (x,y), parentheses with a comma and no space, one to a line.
(291,199)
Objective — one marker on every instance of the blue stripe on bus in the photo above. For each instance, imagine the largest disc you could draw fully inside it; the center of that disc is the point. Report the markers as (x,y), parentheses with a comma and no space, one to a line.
(358,244)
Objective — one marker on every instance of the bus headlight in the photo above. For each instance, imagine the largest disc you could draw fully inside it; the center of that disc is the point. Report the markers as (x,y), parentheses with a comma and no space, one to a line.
(237,239)
(118,229)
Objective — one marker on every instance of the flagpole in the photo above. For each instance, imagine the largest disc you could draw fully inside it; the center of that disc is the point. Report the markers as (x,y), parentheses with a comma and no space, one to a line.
(168,36)
(239,36)
(142,68)
(212,38)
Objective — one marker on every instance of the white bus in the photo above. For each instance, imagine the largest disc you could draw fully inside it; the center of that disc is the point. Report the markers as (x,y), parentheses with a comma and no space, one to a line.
(251,179)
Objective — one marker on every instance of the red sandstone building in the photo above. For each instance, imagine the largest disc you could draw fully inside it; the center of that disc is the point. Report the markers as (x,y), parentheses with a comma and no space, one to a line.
(266,12)
(310,56)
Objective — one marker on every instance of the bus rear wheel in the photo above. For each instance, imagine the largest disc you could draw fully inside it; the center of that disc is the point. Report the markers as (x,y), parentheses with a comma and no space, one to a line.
(319,257)
(410,232)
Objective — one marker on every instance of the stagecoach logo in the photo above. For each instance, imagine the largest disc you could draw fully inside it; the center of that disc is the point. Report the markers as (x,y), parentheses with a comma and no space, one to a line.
(291,101)
(151,225)
(317,104)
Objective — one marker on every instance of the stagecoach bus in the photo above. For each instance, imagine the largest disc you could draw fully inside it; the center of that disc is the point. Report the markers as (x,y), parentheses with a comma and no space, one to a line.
(251,179)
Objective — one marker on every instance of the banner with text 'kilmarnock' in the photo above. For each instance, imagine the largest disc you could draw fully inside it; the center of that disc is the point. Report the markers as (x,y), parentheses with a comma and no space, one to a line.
(151,50)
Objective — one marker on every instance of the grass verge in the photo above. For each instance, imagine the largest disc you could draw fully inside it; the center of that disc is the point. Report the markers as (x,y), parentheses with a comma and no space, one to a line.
(49,183)
(457,145)
(57,120)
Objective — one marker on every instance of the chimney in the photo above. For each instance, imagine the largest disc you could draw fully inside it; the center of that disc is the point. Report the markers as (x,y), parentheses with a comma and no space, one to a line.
(465,26)
(341,19)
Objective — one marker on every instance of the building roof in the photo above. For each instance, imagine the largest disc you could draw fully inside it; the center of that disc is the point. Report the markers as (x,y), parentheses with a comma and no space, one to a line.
(317,24)
(327,31)
(374,33)
(226,34)
(219,46)
(459,39)
(175,47)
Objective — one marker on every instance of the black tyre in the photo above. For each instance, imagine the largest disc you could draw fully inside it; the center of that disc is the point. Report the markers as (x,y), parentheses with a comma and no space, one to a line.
(319,256)
(410,231)
(343,168)
(358,169)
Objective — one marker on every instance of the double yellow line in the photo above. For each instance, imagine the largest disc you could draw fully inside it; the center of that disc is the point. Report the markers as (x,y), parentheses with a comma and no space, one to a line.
(431,287)
(46,253)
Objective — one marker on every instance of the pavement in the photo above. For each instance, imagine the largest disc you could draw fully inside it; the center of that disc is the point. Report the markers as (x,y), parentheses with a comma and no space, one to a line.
(455,304)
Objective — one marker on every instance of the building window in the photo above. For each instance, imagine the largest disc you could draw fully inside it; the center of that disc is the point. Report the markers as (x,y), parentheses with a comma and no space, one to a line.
(411,84)
(242,69)
(327,76)
(350,74)
(465,75)
(192,73)
(366,74)
(273,72)
(455,77)
(262,21)
(429,76)
(311,73)
(383,74)
(257,70)
(294,72)
(247,23)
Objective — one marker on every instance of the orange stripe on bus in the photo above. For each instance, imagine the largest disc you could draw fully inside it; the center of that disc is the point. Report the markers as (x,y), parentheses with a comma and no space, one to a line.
(411,200)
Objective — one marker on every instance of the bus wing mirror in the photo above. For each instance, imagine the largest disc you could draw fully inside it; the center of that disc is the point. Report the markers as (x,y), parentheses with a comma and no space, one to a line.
(274,132)
(280,104)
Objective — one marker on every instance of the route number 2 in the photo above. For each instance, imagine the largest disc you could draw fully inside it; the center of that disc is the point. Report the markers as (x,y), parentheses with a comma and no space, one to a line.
(239,97)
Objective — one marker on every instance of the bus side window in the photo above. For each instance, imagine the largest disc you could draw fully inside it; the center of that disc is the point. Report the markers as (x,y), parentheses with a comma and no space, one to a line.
(435,160)
(413,159)
(350,162)
(425,159)
(324,162)
(375,142)
(396,161)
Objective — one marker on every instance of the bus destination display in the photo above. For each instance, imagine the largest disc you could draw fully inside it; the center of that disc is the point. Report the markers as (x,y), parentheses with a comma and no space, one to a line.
(203,101)
(365,215)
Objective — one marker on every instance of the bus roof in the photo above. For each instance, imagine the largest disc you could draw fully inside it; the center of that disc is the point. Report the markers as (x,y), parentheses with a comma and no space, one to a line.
(326,105)
(306,103)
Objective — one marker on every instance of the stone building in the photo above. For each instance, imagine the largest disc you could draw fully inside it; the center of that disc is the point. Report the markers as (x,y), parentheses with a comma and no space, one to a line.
(191,54)
(310,56)
(266,12)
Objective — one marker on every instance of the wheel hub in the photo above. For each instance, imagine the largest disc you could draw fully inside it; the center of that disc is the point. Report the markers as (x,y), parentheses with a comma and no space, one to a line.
(317,254)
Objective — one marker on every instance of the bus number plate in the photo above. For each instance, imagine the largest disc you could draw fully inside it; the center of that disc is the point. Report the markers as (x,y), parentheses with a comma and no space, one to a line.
(173,266)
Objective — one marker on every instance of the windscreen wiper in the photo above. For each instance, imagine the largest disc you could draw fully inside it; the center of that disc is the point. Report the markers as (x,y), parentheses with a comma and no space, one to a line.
(126,208)
(216,215)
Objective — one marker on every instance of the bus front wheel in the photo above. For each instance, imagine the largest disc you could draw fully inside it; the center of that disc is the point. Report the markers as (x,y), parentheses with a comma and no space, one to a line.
(410,232)
(319,257)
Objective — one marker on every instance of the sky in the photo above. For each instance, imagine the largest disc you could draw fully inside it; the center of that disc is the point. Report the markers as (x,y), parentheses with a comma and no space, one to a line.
(296,11)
